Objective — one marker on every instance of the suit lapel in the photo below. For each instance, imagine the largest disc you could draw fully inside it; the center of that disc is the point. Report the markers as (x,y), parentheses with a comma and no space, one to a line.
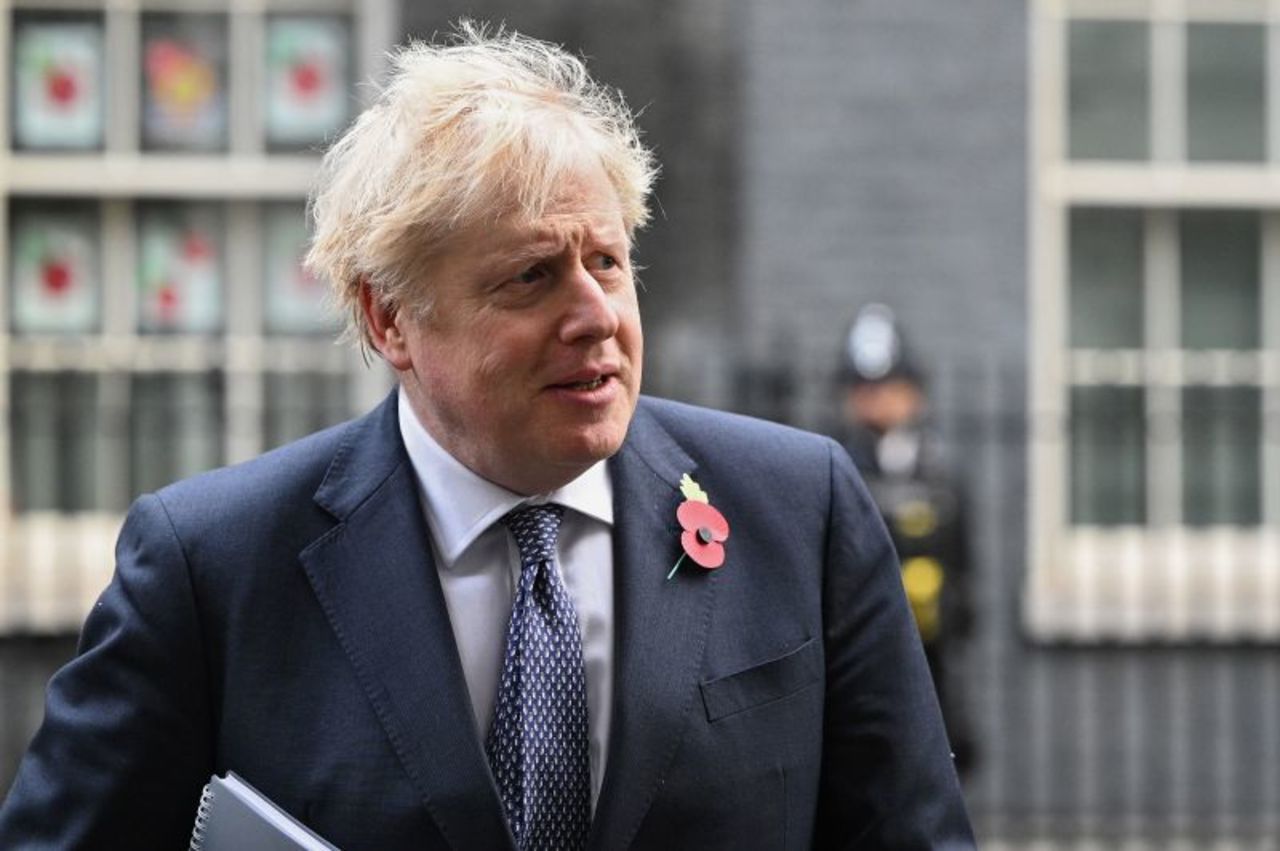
(376,581)
(660,629)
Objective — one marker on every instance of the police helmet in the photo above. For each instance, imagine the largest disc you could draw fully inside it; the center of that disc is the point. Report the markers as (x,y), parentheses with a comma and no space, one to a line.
(874,349)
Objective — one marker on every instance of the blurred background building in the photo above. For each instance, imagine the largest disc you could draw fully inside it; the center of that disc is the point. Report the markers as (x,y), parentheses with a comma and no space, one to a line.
(1071,205)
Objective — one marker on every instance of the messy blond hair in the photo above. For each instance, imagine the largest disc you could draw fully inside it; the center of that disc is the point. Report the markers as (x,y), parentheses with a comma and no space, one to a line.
(463,133)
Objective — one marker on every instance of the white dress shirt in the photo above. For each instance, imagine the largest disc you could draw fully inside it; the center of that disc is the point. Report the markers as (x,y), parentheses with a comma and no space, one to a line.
(479,566)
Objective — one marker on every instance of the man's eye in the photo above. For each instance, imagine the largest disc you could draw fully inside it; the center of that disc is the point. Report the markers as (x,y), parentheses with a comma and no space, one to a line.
(531,275)
(606,262)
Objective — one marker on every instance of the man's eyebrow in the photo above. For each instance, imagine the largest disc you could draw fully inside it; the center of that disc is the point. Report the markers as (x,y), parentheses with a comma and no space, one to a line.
(544,243)
(529,252)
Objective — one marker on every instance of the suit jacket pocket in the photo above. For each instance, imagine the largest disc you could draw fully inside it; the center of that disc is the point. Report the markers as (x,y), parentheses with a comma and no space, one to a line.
(763,683)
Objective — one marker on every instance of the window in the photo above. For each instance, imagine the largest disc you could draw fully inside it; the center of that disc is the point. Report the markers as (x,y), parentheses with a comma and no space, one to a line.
(1109,90)
(55,267)
(181,268)
(1155,292)
(184,82)
(154,318)
(58,96)
(307,58)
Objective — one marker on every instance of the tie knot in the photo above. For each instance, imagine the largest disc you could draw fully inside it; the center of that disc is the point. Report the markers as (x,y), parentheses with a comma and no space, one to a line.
(535,528)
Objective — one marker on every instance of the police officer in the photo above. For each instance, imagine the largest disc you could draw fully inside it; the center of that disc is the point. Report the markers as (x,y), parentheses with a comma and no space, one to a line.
(886,430)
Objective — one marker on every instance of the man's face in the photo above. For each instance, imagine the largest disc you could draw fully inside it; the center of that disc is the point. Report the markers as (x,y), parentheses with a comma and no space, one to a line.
(527,366)
(884,405)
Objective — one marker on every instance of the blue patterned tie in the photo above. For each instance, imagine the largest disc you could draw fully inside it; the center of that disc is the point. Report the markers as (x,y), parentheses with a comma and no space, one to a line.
(537,746)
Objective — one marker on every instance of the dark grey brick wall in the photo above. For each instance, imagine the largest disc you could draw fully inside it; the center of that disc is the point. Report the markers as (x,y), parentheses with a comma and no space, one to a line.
(884,157)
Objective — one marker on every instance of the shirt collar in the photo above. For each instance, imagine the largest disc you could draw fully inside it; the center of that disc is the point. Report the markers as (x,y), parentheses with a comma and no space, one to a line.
(474,503)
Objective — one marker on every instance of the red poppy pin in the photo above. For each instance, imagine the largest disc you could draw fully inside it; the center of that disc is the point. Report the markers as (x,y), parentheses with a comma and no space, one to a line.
(705,529)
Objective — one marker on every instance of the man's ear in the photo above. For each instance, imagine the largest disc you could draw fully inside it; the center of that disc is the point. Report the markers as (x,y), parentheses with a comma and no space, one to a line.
(384,327)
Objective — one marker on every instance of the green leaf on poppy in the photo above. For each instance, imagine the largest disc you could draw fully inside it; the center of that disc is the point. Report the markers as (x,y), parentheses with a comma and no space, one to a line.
(692,490)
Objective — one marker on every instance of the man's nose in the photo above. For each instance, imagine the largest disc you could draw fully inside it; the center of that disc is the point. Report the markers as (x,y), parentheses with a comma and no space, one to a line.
(591,313)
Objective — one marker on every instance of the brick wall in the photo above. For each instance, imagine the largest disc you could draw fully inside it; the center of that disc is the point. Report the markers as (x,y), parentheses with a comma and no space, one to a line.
(885,147)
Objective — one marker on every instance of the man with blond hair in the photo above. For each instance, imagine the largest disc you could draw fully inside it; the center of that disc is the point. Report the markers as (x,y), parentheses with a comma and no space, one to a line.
(517,605)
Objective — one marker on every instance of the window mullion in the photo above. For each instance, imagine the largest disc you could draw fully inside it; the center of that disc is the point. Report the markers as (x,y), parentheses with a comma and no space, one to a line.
(123,43)
(1168,85)
(1105,9)
(1272,81)
(245,362)
(1164,364)
(1269,550)
(8,565)
(119,336)
(376,25)
(1271,369)
(119,270)
(244,54)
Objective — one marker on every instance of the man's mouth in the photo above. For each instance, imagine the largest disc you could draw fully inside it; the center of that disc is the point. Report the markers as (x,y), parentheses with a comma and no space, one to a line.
(587,379)
(586,385)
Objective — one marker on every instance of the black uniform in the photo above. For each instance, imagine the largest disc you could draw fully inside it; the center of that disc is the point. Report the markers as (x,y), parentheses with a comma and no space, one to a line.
(923,507)
(922,504)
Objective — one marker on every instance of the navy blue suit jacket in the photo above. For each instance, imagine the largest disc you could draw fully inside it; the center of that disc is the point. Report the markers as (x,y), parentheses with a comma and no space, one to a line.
(283,619)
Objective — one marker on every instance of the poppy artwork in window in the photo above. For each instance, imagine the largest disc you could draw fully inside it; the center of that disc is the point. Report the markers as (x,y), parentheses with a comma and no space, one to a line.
(296,300)
(307,79)
(54,269)
(184,82)
(180,268)
(57,84)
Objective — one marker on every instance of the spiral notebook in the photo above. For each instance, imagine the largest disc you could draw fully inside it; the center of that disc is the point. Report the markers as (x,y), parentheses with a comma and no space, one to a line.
(234,816)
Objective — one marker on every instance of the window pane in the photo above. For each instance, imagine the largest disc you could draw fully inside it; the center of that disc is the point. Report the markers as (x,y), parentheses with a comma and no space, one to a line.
(55,419)
(1108,456)
(54,267)
(1226,92)
(184,82)
(308,79)
(1106,279)
(1221,455)
(180,277)
(1221,273)
(298,404)
(176,429)
(1108,90)
(57,81)
(296,301)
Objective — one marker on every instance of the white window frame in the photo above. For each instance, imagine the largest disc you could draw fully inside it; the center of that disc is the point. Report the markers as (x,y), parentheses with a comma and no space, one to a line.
(53,564)
(1162,580)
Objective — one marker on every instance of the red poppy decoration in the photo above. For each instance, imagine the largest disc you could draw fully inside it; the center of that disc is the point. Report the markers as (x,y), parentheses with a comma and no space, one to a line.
(705,529)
